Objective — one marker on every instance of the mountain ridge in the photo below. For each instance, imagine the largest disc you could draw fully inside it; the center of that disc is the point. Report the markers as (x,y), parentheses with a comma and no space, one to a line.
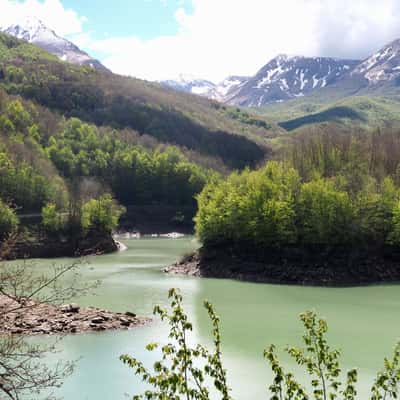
(34,31)
(287,77)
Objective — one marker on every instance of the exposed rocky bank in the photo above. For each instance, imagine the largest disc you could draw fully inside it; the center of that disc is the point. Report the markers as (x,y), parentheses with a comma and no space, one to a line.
(318,267)
(40,245)
(46,319)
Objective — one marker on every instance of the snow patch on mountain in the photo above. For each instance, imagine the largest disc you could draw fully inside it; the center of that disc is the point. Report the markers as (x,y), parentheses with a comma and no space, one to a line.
(382,66)
(36,32)
(286,77)
(189,84)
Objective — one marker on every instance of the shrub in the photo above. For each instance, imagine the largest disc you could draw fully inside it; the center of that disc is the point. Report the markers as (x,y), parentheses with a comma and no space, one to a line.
(52,220)
(101,214)
(185,371)
(8,220)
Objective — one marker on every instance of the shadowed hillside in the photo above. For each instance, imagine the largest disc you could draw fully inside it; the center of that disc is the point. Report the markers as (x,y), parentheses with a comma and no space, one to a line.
(122,102)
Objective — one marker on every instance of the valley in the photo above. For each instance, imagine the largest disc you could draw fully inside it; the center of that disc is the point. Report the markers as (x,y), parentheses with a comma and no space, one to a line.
(130,208)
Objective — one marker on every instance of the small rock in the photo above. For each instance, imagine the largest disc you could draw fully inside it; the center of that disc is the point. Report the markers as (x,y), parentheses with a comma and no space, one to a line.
(97,320)
(74,308)
(99,328)
(70,308)
(124,321)
(130,314)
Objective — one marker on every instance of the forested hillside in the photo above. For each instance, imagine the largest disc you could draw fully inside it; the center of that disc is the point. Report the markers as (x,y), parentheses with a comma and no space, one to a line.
(110,100)
(366,111)
(70,134)
(46,158)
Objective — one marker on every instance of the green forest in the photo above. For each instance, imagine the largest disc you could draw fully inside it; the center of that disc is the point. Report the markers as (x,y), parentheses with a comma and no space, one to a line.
(328,187)
(48,159)
(233,138)
(70,134)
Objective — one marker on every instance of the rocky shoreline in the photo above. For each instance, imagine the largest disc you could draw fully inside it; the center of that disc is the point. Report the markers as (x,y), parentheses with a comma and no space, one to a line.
(45,319)
(42,245)
(335,268)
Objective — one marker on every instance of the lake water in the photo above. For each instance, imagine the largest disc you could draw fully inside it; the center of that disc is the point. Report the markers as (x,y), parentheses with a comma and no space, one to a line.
(364,322)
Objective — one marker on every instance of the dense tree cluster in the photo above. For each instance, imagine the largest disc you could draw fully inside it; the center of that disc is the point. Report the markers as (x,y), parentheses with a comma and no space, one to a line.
(135,175)
(52,165)
(101,214)
(330,189)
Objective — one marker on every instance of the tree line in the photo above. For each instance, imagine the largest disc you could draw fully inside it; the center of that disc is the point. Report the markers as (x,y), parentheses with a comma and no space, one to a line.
(329,188)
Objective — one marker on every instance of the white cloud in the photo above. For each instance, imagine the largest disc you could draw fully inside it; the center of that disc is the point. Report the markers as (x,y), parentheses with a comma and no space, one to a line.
(356,28)
(239,36)
(223,37)
(51,12)
(219,38)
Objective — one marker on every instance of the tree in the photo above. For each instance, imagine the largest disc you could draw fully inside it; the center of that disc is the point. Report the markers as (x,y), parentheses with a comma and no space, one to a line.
(8,221)
(22,371)
(101,214)
(255,206)
(325,213)
(183,370)
(52,219)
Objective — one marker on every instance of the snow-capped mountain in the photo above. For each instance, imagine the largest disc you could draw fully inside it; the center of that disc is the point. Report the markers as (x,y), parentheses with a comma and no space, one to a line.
(382,67)
(286,77)
(226,87)
(282,78)
(190,84)
(203,87)
(34,31)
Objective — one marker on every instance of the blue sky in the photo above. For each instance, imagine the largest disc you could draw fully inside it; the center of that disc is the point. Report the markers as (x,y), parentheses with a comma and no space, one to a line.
(146,19)
(212,39)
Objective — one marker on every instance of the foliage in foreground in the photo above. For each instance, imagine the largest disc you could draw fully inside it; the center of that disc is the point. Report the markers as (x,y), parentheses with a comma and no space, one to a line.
(194,372)
(23,373)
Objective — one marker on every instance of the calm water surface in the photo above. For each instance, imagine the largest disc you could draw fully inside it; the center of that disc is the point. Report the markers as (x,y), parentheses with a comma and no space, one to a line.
(364,322)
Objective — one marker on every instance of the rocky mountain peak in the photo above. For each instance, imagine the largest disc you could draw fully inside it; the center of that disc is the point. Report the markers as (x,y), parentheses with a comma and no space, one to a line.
(382,66)
(36,32)
(28,28)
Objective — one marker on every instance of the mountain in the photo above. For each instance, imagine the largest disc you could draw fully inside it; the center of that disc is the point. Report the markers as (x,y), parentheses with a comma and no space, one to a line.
(36,32)
(368,95)
(190,84)
(281,79)
(321,79)
(226,87)
(382,67)
(286,77)
(203,87)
